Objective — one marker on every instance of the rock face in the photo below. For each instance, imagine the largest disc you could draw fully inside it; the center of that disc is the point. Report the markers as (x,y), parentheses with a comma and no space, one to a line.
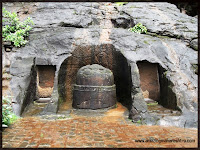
(23,83)
(63,30)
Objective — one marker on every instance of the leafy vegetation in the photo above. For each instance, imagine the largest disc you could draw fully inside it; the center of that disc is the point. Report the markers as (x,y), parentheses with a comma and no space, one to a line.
(14,30)
(120,3)
(41,135)
(8,117)
(138,28)
(152,104)
(139,122)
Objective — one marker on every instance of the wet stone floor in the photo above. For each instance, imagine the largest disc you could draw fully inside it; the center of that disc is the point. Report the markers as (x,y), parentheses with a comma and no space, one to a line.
(108,128)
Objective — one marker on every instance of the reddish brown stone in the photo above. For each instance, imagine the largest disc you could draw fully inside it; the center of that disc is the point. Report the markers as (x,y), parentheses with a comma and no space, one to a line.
(149,80)
(45,80)
(46,76)
(94,88)
(82,56)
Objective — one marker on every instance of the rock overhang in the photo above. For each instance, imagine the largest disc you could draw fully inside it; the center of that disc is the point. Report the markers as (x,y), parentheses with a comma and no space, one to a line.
(168,48)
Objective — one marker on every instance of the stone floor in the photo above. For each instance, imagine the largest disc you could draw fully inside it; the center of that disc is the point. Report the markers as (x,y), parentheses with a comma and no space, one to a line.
(106,128)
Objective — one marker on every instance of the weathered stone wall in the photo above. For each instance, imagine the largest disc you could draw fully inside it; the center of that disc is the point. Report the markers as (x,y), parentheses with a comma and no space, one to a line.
(62,28)
(30,93)
(23,83)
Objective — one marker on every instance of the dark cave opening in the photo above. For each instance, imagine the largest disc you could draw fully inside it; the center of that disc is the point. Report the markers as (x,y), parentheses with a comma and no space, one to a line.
(156,85)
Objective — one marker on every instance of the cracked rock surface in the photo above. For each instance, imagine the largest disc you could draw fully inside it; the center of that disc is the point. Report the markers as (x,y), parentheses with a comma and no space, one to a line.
(171,41)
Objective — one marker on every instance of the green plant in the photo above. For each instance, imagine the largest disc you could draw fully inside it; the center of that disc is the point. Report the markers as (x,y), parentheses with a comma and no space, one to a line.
(152,104)
(116,105)
(41,135)
(61,117)
(138,28)
(75,13)
(120,3)
(146,42)
(8,117)
(14,30)
(165,73)
(139,122)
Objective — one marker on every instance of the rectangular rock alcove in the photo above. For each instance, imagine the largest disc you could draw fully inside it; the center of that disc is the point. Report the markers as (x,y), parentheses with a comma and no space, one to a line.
(149,80)
(45,80)
(155,85)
